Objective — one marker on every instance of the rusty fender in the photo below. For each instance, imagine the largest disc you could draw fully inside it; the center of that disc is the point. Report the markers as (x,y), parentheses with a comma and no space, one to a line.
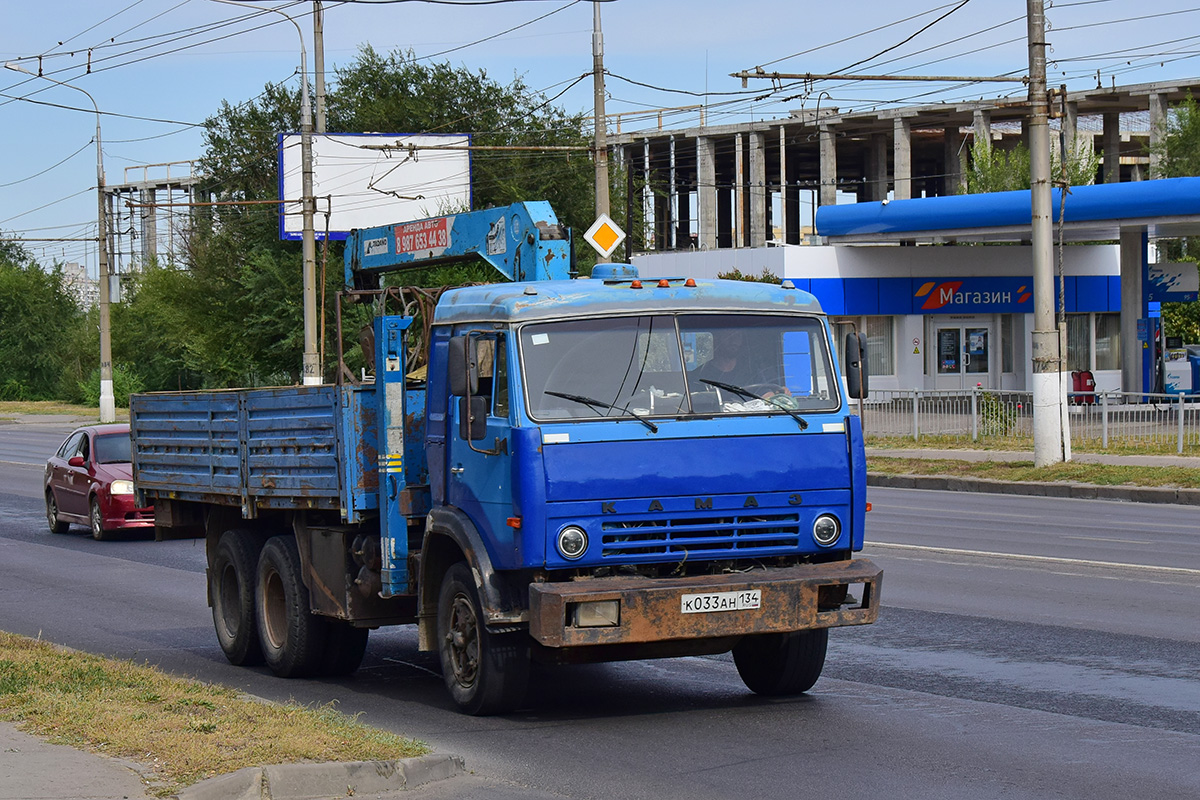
(651,608)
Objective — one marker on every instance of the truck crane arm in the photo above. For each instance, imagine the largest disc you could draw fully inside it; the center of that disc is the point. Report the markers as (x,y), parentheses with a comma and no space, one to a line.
(523,242)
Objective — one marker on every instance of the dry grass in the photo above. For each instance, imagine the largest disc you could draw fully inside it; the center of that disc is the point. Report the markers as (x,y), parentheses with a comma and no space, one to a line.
(14,408)
(182,730)
(1100,474)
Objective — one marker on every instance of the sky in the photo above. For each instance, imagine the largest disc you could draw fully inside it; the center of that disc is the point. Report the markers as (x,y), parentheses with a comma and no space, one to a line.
(159,68)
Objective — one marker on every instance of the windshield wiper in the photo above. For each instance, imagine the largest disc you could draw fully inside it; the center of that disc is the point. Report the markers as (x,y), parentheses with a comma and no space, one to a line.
(729,387)
(593,403)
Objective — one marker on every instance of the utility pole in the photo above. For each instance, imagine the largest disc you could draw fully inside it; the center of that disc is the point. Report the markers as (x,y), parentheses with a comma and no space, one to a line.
(319,62)
(1050,433)
(601,123)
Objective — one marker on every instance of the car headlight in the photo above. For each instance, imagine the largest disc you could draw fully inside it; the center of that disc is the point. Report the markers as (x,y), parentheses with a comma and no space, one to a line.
(121,487)
(572,542)
(826,530)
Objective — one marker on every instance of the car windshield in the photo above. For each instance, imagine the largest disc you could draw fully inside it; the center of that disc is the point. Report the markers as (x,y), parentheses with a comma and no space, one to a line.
(676,366)
(112,449)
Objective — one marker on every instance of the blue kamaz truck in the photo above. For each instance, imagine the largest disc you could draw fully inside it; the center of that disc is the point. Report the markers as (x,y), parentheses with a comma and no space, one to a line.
(584,470)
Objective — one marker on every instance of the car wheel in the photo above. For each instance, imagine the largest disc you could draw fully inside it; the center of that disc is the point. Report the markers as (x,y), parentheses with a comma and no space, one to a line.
(231,587)
(293,638)
(97,521)
(56,525)
(485,673)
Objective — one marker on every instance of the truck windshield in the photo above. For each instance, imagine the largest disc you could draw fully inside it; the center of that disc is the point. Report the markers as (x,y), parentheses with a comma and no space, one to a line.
(680,365)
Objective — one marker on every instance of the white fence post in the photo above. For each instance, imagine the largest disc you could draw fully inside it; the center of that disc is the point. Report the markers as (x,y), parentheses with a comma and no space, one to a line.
(916,422)
(975,414)
(1181,423)
(1104,423)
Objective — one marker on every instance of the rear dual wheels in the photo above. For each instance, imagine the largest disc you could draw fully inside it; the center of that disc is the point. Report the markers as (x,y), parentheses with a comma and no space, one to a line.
(261,611)
(777,664)
(485,673)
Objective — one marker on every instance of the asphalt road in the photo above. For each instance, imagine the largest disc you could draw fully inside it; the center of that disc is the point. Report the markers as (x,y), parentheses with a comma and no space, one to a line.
(1028,648)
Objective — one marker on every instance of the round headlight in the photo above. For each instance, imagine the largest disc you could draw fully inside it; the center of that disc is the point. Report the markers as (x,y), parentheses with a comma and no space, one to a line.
(572,542)
(826,530)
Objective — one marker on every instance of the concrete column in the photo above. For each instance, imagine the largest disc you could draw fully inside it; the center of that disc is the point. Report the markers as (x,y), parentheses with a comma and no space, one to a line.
(902,158)
(648,233)
(683,224)
(672,202)
(1112,147)
(828,193)
(149,226)
(739,192)
(1158,133)
(757,190)
(953,160)
(982,123)
(877,169)
(783,187)
(706,192)
(1133,257)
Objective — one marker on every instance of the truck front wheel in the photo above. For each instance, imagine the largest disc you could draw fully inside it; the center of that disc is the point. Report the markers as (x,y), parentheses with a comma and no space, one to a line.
(231,587)
(485,673)
(781,663)
(292,637)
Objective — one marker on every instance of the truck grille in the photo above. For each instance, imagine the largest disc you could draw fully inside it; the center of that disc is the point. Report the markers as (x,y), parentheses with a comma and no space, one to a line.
(709,535)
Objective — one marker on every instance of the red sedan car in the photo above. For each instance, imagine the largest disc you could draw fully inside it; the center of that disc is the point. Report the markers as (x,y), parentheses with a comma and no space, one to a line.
(89,481)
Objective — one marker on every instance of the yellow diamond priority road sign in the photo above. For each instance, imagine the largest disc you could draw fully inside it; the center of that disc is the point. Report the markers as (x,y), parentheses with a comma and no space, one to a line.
(604,235)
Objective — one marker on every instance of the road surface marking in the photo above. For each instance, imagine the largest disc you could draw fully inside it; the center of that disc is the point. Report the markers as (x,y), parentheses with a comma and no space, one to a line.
(1043,559)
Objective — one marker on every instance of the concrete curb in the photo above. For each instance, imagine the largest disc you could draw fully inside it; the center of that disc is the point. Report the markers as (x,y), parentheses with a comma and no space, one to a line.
(320,781)
(1079,491)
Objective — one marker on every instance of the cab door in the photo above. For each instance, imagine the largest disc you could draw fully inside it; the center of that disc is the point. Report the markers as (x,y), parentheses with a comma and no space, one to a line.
(479,472)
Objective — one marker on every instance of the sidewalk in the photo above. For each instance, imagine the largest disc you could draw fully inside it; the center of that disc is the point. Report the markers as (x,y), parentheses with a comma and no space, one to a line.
(1085,491)
(33,769)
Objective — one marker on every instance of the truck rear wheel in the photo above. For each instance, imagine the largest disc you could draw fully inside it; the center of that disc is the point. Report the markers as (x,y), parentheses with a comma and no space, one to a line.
(231,586)
(781,663)
(485,673)
(293,639)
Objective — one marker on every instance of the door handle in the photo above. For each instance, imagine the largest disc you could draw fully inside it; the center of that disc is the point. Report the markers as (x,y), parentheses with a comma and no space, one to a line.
(456,470)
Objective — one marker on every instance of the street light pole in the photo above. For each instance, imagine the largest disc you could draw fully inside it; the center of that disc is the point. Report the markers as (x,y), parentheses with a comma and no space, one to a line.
(311,364)
(108,412)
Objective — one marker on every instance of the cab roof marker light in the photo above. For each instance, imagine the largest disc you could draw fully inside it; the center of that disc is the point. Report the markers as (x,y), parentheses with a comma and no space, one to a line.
(787,284)
(635,284)
(690,283)
(663,283)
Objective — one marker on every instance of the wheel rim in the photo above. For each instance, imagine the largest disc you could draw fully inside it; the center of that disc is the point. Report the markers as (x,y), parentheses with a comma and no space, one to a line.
(462,641)
(274,602)
(52,511)
(229,599)
(97,522)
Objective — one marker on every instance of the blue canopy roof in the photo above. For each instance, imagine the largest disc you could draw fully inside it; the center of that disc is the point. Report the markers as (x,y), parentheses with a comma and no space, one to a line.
(1168,207)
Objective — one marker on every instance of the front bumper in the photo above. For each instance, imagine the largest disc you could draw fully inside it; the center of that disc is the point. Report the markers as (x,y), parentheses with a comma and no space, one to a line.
(121,512)
(651,609)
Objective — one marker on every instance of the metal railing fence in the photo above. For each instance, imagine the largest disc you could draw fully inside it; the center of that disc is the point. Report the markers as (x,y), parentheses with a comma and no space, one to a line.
(1102,420)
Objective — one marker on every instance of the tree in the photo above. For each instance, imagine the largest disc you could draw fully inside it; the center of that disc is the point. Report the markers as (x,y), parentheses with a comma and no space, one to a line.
(37,321)
(996,170)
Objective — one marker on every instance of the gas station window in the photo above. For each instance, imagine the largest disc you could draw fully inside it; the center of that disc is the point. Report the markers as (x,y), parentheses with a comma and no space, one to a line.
(1108,341)
(1079,342)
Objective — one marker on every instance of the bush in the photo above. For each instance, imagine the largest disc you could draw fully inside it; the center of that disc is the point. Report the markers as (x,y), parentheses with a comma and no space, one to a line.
(13,389)
(125,383)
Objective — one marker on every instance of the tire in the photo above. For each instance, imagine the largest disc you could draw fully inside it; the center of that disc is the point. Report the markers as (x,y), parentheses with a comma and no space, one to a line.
(485,673)
(56,524)
(231,582)
(345,650)
(292,637)
(777,664)
(96,521)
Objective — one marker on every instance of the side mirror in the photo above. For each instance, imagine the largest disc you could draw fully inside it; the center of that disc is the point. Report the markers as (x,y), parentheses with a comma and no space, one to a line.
(856,365)
(472,418)
(75,461)
(464,371)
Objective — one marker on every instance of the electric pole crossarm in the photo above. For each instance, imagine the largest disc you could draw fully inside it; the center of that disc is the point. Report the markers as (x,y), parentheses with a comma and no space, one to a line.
(813,76)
